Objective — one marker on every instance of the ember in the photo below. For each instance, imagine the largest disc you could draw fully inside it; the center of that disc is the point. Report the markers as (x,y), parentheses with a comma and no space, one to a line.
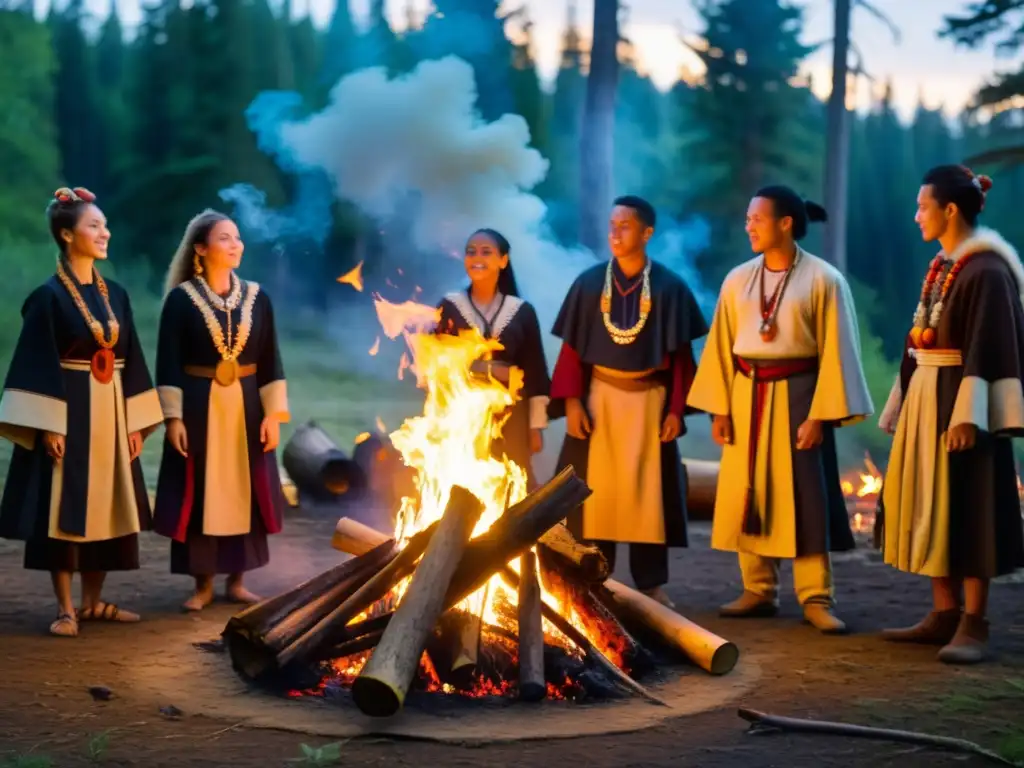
(861,492)
(480,590)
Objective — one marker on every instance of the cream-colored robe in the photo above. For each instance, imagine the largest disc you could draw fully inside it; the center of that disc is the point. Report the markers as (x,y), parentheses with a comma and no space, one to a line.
(816,319)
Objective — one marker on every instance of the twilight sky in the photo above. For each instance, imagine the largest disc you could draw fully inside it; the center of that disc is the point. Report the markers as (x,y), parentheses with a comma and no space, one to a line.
(920,64)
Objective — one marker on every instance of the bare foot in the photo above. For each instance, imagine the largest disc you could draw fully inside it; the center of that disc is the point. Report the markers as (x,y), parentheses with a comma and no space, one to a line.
(236,593)
(203,597)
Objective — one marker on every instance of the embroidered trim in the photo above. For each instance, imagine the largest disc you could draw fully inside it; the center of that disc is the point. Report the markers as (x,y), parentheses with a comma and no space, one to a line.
(223,304)
(505,315)
(213,325)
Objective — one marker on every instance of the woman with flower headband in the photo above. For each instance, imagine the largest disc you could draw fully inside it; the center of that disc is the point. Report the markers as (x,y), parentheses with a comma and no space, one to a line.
(491,305)
(949,507)
(224,397)
(77,403)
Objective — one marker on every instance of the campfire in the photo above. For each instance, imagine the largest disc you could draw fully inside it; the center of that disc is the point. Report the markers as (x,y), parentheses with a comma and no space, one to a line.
(480,590)
(861,490)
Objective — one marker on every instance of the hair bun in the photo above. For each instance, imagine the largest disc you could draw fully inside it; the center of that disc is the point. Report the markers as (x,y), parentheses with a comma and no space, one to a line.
(985,183)
(67,196)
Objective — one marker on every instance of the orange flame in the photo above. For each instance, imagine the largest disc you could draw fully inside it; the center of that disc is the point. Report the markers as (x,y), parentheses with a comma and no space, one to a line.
(353,277)
(376,347)
(450,444)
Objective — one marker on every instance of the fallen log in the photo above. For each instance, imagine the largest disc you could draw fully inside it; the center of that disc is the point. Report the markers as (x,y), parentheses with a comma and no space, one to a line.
(701,488)
(381,687)
(709,651)
(586,561)
(763,723)
(316,466)
(355,538)
(330,629)
(531,631)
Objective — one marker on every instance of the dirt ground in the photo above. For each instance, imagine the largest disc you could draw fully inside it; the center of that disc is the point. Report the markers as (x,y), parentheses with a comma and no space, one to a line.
(50,718)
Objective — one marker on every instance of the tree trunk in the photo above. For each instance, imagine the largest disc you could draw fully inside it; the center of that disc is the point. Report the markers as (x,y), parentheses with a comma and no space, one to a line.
(597,131)
(838,144)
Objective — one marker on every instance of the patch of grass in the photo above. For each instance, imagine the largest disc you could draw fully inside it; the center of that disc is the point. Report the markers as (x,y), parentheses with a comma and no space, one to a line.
(328,754)
(27,761)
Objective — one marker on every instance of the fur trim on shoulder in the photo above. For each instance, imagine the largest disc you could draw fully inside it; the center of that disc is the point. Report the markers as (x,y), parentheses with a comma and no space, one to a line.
(985,239)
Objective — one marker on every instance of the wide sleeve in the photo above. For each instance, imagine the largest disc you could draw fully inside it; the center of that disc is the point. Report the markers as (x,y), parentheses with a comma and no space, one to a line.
(894,403)
(990,395)
(170,360)
(269,369)
(531,358)
(142,402)
(446,324)
(711,390)
(841,396)
(33,399)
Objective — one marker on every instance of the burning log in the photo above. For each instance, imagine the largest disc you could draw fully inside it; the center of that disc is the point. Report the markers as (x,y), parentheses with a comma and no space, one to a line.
(386,476)
(467,651)
(326,631)
(255,635)
(561,549)
(701,488)
(381,687)
(709,651)
(317,466)
(531,632)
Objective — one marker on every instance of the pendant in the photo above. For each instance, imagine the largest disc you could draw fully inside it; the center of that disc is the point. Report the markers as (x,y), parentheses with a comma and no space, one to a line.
(768,331)
(102,366)
(226,372)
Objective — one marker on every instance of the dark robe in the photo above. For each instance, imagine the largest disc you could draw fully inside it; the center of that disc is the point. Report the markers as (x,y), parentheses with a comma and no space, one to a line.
(983,318)
(515,325)
(42,396)
(665,344)
(185,343)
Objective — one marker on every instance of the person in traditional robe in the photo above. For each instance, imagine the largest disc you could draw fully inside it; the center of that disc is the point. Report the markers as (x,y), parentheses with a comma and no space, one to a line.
(492,306)
(780,372)
(621,379)
(224,397)
(77,403)
(949,507)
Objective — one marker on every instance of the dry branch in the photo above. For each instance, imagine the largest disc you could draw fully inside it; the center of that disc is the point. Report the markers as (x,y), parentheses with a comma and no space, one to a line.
(761,722)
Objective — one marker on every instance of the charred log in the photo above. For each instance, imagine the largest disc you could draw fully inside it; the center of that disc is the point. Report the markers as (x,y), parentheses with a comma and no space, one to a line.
(531,631)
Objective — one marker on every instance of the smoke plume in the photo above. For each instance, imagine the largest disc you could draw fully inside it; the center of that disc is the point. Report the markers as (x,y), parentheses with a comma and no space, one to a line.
(412,153)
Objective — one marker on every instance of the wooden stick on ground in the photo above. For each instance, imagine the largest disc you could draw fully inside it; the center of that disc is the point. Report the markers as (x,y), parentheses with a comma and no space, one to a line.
(761,722)
(532,686)
(381,687)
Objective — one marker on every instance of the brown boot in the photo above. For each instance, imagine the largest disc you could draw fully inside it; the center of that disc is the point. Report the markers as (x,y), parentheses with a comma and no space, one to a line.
(821,617)
(970,644)
(749,606)
(937,628)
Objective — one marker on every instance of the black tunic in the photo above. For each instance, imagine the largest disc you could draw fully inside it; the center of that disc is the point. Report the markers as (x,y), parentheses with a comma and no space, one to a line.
(515,325)
(184,341)
(984,319)
(53,330)
(674,323)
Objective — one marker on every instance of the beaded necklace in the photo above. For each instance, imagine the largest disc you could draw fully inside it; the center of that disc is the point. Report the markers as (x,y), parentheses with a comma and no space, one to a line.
(102,363)
(625,335)
(942,273)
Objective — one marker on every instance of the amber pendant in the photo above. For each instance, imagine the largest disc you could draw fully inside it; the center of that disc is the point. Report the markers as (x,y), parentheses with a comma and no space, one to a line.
(768,331)
(226,372)
(102,366)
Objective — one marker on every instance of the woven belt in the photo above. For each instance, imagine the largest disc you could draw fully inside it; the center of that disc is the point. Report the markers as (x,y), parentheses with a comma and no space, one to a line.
(937,358)
(86,365)
(209,372)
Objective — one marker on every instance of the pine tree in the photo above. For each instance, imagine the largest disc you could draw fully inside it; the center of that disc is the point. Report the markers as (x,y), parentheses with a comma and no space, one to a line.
(754,117)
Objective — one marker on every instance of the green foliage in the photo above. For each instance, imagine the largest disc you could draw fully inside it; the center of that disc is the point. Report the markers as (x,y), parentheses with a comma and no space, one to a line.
(328,754)
(27,761)
(984,19)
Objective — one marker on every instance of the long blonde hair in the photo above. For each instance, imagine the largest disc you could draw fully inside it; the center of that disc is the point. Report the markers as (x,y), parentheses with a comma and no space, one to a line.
(183,264)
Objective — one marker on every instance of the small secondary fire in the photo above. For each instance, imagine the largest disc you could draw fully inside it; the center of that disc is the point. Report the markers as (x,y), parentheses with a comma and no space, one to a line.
(861,491)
